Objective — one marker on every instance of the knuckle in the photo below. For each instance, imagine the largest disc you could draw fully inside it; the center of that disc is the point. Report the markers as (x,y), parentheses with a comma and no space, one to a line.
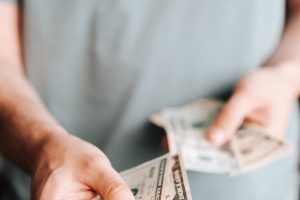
(245,82)
(247,87)
(88,162)
(91,162)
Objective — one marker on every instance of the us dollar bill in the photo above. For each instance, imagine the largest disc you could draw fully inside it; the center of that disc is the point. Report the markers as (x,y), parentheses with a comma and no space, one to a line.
(250,148)
(179,188)
(253,147)
(163,178)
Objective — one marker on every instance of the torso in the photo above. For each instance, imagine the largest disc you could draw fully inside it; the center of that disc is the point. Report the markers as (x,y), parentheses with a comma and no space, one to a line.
(102,66)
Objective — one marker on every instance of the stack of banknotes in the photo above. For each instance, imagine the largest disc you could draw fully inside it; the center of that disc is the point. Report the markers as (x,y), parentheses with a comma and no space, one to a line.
(165,178)
(249,148)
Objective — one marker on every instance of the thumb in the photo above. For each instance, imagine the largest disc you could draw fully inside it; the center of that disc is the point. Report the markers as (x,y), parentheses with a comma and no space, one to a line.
(109,184)
(230,118)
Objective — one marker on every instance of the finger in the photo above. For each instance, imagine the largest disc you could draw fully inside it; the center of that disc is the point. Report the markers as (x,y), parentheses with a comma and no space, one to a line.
(109,184)
(259,117)
(230,118)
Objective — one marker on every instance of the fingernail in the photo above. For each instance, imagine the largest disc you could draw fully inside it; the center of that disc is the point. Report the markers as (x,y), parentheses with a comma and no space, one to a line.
(218,137)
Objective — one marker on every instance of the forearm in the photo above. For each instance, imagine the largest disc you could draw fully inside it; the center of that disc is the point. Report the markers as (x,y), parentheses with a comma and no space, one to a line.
(25,123)
(287,55)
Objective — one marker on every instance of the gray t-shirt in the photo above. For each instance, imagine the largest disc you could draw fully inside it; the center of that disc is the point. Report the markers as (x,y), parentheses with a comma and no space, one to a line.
(103,66)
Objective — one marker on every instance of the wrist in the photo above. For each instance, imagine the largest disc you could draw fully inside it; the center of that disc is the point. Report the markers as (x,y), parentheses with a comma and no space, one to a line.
(48,145)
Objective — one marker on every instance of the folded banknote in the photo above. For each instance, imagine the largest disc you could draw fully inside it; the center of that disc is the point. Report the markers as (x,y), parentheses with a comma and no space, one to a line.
(249,148)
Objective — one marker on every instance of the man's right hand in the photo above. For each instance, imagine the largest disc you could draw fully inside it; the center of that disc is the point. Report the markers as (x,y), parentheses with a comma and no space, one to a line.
(63,167)
(70,168)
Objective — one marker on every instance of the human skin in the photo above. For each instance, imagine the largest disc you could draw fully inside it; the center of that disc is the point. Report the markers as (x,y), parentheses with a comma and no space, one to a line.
(265,96)
(61,165)
(31,138)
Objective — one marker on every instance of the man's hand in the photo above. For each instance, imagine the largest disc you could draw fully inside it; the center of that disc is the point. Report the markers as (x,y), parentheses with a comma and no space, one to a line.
(264,97)
(69,168)
(63,167)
